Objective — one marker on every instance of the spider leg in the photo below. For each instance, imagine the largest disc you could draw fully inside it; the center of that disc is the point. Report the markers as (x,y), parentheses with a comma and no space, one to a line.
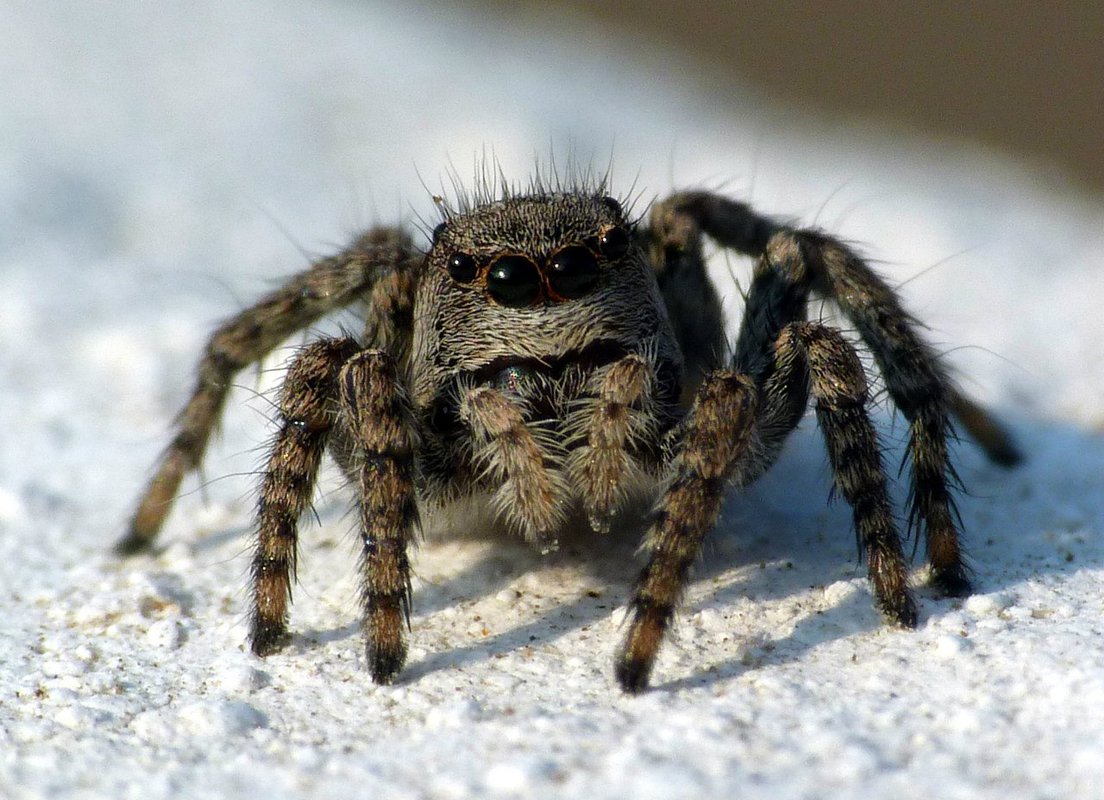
(674,245)
(732,432)
(839,389)
(306,419)
(915,380)
(792,264)
(376,416)
(603,467)
(717,433)
(529,496)
(376,257)
(736,225)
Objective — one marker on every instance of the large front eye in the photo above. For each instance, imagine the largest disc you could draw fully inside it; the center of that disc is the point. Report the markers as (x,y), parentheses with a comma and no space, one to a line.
(573,272)
(462,267)
(614,242)
(514,281)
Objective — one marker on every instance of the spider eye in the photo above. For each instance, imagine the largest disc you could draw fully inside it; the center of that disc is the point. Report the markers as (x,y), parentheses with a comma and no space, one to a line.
(613,206)
(514,281)
(573,272)
(438,231)
(462,267)
(614,243)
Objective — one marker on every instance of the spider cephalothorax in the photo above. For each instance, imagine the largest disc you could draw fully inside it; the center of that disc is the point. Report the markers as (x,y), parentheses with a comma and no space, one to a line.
(550,354)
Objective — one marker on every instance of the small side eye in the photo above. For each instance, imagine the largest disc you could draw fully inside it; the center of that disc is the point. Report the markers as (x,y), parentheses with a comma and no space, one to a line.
(514,281)
(613,206)
(462,267)
(573,272)
(438,231)
(614,242)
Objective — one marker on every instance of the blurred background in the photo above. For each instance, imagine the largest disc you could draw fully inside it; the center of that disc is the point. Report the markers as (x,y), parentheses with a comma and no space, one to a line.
(1021,76)
(199,152)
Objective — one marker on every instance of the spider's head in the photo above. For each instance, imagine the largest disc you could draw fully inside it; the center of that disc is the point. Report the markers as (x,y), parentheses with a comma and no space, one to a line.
(536,277)
(533,252)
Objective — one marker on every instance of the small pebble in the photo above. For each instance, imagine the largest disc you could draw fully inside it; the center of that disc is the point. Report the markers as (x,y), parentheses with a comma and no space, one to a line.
(949,646)
(985,605)
(457,714)
(710,619)
(836,593)
(11,506)
(167,634)
(506,778)
(242,679)
(207,719)
(58,667)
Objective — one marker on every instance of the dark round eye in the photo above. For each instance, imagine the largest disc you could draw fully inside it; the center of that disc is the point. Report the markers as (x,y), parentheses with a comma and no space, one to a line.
(612,204)
(573,272)
(438,231)
(614,242)
(462,267)
(514,281)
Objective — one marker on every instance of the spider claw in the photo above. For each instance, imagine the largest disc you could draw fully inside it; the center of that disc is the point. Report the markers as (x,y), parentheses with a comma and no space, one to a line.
(600,522)
(133,543)
(632,673)
(951,584)
(900,611)
(266,639)
(385,665)
(548,545)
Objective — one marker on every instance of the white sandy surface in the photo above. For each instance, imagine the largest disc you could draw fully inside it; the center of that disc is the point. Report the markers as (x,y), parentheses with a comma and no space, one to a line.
(162,164)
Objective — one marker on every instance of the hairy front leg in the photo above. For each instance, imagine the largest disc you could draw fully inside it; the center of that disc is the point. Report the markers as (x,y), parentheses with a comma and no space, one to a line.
(839,388)
(376,416)
(603,466)
(718,433)
(531,497)
(306,419)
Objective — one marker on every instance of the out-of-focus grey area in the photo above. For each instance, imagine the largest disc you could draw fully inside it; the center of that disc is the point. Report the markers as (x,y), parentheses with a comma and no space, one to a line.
(1024,77)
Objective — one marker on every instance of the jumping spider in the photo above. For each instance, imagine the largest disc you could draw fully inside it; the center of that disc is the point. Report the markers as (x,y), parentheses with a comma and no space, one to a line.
(549,354)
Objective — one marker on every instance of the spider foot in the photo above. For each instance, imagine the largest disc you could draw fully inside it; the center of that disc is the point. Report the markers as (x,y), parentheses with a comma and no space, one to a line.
(637,656)
(899,610)
(384,664)
(133,543)
(632,673)
(600,522)
(951,583)
(267,638)
(546,543)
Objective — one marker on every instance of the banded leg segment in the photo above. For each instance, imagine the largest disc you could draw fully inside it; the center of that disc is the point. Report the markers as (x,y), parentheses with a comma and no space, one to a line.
(918,386)
(822,263)
(306,419)
(603,468)
(675,249)
(531,497)
(839,389)
(376,416)
(717,434)
(329,284)
(794,263)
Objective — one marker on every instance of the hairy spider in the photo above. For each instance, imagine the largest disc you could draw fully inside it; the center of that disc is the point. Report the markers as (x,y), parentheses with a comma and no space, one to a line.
(549,354)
